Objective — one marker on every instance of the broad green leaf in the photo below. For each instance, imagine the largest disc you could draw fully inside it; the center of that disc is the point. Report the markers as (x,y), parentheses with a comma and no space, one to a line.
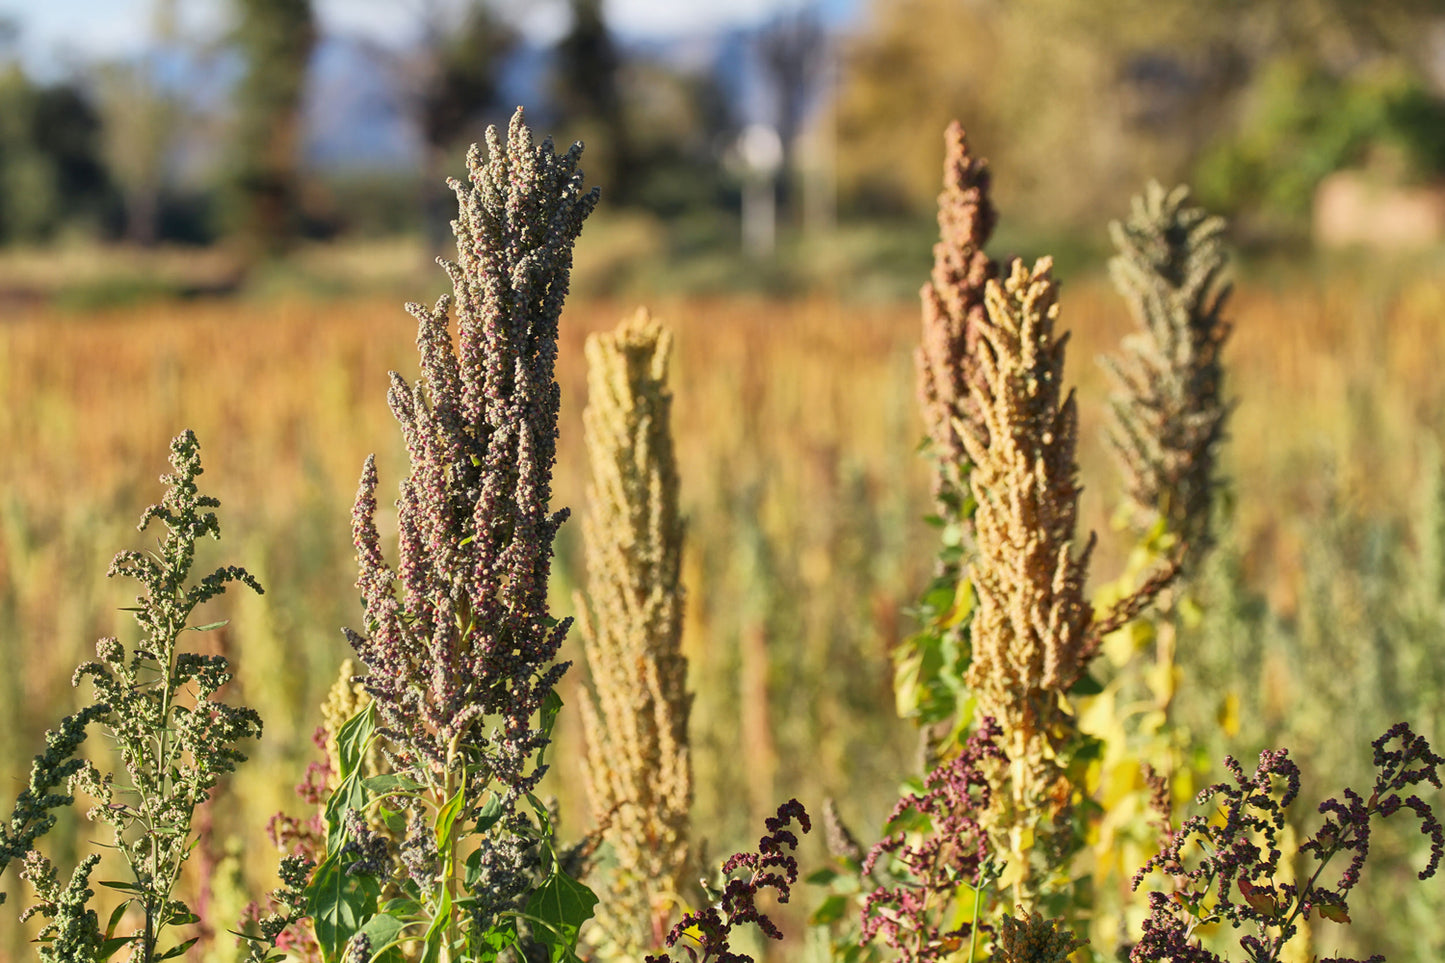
(821,877)
(832,909)
(339,905)
(562,905)
(385,931)
(491,812)
(496,941)
(348,795)
(354,738)
(391,784)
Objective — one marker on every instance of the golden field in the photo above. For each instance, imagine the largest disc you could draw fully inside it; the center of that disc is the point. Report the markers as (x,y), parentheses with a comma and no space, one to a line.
(797,443)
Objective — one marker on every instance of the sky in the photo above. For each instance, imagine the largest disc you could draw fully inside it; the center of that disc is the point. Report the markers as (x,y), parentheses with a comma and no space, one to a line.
(56,35)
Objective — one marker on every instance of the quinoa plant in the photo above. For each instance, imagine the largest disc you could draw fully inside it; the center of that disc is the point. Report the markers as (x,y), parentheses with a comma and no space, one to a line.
(459,644)
(733,902)
(1167,413)
(928,669)
(1167,418)
(1226,868)
(174,738)
(638,766)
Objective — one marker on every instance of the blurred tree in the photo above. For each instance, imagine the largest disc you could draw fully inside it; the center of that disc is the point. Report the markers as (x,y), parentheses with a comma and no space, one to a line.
(1076,102)
(276,38)
(588,99)
(793,49)
(456,84)
(52,176)
(140,118)
(1300,123)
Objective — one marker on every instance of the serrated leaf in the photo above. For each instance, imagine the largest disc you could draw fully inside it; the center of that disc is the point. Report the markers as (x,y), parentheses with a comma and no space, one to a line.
(562,905)
(501,936)
(339,905)
(354,738)
(348,795)
(385,931)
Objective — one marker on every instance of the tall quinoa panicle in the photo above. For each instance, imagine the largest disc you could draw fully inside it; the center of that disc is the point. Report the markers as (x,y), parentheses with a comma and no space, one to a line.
(1166,411)
(638,769)
(1033,632)
(1032,627)
(459,636)
(953,305)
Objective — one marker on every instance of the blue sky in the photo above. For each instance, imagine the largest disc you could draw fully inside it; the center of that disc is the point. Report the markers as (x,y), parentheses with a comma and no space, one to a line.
(55,34)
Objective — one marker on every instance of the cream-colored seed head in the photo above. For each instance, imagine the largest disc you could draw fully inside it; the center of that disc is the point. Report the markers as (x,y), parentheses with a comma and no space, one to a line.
(638,772)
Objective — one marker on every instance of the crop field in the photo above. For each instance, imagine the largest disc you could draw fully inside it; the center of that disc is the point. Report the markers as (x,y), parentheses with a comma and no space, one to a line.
(796,434)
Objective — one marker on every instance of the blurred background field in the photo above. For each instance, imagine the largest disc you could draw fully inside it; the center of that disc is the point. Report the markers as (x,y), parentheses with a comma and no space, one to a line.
(210,214)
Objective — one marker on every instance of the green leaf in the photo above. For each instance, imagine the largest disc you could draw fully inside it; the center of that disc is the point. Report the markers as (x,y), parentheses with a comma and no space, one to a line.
(830,910)
(821,877)
(109,947)
(447,816)
(115,917)
(491,812)
(339,905)
(496,940)
(178,949)
(385,929)
(562,905)
(354,739)
(205,628)
(1087,686)
(390,784)
(348,795)
(437,932)
(123,887)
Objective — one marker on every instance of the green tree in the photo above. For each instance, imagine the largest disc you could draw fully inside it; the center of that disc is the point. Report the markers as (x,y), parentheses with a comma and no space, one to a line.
(52,175)
(140,119)
(458,85)
(276,38)
(587,96)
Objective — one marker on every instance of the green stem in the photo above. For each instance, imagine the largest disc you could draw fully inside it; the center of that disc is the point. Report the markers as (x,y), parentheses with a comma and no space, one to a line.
(973,926)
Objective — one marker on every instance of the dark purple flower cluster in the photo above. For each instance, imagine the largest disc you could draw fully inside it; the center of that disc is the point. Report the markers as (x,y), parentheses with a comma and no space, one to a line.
(953,851)
(773,867)
(460,631)
(1238,859)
